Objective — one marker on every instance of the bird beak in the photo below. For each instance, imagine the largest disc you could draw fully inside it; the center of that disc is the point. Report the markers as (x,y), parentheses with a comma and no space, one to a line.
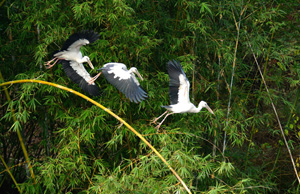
(90,63)
(138,74)
(209,109)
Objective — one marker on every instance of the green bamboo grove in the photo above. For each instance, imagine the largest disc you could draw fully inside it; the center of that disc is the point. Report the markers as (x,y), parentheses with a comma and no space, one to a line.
(241,57)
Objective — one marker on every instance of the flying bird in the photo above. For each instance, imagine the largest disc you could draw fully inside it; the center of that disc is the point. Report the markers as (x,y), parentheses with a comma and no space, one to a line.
(124,80)
(79,75)
(179,87)
(72,60)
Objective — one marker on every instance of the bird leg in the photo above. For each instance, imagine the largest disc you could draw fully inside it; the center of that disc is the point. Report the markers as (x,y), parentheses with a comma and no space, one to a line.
(48,64)
(94,78)
(158,126)
(156,119)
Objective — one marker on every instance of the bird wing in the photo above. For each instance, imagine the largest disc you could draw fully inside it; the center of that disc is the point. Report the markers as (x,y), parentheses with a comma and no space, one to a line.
(118,75)
(179,85)
(77,73)
(76,40)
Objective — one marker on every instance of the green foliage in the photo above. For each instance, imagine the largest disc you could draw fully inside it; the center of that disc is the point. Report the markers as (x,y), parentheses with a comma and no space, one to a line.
(75,147)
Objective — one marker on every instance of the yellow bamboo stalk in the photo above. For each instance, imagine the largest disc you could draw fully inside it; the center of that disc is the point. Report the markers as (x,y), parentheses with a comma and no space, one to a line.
(106,110)
(12,176)
(19,135)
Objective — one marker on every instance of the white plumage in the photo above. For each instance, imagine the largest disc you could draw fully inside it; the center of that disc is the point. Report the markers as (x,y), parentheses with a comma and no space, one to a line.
(72,60)
(179,88)
(183,91)
(124,80)
(118,70)
(81,71)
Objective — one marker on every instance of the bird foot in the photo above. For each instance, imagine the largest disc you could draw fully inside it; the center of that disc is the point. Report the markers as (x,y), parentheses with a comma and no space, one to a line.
(94,78)
(154,121)
(48,65)
(157,128)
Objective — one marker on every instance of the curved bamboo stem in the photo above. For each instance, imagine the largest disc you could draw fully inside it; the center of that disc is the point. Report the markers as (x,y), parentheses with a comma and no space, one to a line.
(106,110)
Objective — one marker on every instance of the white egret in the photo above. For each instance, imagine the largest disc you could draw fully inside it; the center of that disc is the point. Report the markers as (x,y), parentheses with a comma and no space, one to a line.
(179,87)
(72,60)
(124,80)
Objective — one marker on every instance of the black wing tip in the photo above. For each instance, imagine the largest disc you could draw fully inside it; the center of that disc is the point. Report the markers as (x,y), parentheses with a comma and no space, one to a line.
(140,96)
(174,70)
(137,100)
(92,90)
(90,35)
(136,95)
(174,64)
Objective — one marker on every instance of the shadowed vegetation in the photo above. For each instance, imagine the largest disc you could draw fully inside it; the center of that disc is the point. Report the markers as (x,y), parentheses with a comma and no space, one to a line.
(75,147)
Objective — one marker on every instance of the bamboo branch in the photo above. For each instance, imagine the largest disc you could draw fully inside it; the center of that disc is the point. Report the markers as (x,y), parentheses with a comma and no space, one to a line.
(277,117)
(106,110)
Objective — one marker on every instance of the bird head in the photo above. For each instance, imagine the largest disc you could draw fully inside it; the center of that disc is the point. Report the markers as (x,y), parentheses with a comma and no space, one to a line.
(134,70)
(203,104)
(87,59)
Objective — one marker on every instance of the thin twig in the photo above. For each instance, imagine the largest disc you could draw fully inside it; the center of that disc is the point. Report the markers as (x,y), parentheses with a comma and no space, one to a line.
(277,117)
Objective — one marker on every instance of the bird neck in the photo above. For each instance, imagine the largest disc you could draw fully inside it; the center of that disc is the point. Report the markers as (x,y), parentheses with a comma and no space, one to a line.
(198,109)
(131,71)
(195,109)
(82,60)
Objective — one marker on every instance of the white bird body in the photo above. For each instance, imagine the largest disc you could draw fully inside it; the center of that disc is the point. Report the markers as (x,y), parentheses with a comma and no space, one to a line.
(124,80)
(179,88)
(181,108)
(118,70)
(72,60)
(186,107)
(73,52)
(70,55)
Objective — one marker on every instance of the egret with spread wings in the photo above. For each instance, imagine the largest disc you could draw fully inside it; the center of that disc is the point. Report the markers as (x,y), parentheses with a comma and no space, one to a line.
(72,60)
(179,87)
(124,80)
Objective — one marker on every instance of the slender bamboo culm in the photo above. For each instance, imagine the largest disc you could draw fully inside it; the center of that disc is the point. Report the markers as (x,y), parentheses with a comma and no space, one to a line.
(277,117)
(232,74)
